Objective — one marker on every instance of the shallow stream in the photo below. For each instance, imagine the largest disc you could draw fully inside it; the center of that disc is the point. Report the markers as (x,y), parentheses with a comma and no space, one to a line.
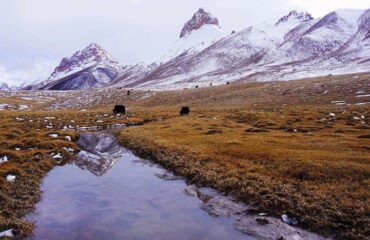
(108,193)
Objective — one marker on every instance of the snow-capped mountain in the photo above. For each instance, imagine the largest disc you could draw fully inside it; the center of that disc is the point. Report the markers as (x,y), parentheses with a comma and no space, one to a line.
(201,31)
(298,17)
(198,33)
(293,47)
(90,68)
(199,19)
(4,87)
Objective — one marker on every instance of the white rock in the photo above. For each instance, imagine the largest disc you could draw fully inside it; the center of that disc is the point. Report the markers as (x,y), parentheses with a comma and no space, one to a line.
(332,114)
(57,156)
(289,220)
(53,135)
(68,138)
(10,178)
(17,149)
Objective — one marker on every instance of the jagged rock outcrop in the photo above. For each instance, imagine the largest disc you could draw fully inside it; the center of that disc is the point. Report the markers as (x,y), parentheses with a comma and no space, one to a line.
(89,68)
(199,19)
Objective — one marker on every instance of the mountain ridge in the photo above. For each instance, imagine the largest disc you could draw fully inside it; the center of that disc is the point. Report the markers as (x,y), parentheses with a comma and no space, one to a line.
(295,46)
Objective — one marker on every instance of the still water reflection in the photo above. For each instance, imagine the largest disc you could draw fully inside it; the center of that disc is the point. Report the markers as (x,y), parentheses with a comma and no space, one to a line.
(108,193)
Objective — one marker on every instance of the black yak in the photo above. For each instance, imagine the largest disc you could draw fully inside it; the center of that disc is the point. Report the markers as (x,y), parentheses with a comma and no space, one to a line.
(184,111)
(119,109)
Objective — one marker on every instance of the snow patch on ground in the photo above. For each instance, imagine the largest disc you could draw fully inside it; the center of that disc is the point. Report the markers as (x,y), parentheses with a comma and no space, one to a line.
(10,178)
(3,159)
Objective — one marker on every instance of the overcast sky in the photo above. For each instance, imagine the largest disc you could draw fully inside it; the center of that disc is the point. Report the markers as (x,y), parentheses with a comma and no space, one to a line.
(36,34)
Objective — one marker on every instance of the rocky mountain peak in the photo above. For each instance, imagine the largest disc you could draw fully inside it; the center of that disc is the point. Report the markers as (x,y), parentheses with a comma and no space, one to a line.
(4,87)
(200,18)
(91,55)
(300,16)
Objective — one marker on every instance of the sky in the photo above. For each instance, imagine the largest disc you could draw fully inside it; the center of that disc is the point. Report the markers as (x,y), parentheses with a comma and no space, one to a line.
(35,35)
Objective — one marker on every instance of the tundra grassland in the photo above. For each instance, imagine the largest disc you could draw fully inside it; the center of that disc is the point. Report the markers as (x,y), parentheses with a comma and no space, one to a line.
(309,163)
(299,148)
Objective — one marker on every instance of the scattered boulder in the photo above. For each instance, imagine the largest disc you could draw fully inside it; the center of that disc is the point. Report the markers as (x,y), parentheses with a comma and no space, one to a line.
(214,131)
(190,190)
(7,233)
(289,220)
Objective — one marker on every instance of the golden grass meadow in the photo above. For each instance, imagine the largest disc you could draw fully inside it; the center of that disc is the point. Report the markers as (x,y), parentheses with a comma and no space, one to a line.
(281,147)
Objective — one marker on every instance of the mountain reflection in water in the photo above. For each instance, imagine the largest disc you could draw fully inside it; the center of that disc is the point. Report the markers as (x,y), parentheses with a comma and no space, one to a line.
(99,153)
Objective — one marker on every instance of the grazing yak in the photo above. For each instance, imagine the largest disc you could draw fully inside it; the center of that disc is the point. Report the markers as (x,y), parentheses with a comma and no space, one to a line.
(184,111)
(119,109)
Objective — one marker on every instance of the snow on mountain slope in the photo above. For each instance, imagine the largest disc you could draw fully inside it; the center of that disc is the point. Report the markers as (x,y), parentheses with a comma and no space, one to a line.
(320,37)
(201,31)
(92,67)
(194,42)
(198,33)
(231,52)
(131,74)
(90,56)
(358,46)
(295,46)
(295,18)
(4,87)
